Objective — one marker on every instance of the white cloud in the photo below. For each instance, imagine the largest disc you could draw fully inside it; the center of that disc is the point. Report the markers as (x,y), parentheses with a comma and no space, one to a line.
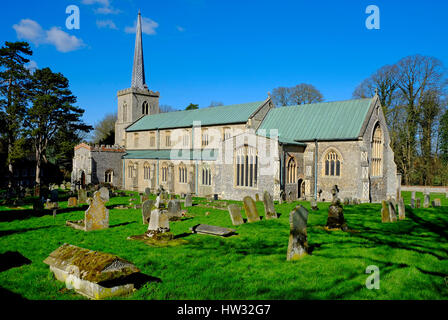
(106,24)
(30,30)
(148,26)
(103,2)
(180,29)
(105,9)
(32,65)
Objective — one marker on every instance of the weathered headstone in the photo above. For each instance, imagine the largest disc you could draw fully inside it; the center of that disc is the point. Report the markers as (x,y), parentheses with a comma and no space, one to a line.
(96,217)
(174,209)
(188,201)
(418,202)
(147,206)
(392,210)
(269,209)
(426,201)
(412,203)
(298,242)
(336,218)
(401,209)
(235,214)
(72,202)
(413,195)
(51,205)
(82,196)
(436,202)
(104,194)
(159,224)
(250,209)
(213,230)
(147,191)
(346,201)
(313,204)
(88,272)
(385,215)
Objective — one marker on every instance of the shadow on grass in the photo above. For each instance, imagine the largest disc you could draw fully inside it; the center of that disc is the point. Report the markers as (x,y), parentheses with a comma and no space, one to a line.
(8,295)
(12,259)
(11,215)
(138,279)
(9,232)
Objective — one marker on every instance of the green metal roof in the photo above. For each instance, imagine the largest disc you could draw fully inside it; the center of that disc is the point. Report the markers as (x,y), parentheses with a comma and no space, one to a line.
(236,113)
(337,120)
(174,154)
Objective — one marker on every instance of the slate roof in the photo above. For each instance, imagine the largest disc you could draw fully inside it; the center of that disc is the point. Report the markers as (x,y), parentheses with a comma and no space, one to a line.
(339,120)
(236,113)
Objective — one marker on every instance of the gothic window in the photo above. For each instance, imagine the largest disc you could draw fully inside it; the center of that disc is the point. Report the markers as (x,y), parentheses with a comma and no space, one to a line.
(227,133)
(152,139)
(125,112)
(206,176)
(332,164)
(205,139)
(186,139)
(146,171)
(168,139)
(182,173)
(246,167)
(377,152)
(131,170)
(109,176)
(145,108)
(291,172)
(164,173)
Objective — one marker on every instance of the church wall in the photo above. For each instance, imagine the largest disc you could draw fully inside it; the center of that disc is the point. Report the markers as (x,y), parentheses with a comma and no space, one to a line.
(82,161)
(296,152)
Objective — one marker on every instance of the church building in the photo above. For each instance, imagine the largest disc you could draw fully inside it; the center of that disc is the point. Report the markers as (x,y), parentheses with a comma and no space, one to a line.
(243,149)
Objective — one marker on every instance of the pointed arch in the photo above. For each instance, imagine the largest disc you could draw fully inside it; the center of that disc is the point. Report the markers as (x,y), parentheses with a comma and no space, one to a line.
(376,165)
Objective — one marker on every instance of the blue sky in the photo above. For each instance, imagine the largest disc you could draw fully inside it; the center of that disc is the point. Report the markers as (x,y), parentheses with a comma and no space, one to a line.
(229,51)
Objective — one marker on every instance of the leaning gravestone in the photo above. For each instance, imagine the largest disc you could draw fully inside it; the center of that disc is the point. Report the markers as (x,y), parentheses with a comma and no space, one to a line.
(313,204)
(426,201)
(392,210)
(146,210)
(72,202)
(90,272)
(269,209)
(250,209)
(385,215)
(418,202)
(298,242)
(104,193)
(235,214)
(188,201)
(82,196)
(96,217)
(401,209)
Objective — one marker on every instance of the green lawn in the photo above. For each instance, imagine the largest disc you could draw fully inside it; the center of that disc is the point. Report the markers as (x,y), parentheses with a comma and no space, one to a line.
(412,255)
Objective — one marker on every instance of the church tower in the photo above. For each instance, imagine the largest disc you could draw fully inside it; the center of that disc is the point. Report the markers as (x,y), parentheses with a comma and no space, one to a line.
(138,100)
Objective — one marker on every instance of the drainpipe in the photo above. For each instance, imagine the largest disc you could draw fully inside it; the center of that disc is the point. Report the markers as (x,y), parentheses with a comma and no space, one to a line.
(315,168)
(158,148)
(123,176)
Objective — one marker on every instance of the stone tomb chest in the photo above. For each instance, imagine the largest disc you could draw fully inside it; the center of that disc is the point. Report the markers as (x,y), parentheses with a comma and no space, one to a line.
(93,274)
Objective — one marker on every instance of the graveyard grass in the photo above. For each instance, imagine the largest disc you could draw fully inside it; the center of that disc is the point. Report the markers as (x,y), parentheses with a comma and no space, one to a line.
(412,255)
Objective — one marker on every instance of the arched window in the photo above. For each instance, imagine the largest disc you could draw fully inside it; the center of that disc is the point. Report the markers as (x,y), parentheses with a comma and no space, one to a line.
(164,173)
(227,133)
(291,172)
(377,152)
(182,173)
(332,164)
(146,171)
(131,170)
(168,139)
(206,176)
(152,139)
(145,108)
(205,139)
(125,112)
(246,167)
(109,176)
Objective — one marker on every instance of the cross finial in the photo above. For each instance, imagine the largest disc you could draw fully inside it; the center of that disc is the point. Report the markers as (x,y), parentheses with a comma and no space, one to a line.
(376,91)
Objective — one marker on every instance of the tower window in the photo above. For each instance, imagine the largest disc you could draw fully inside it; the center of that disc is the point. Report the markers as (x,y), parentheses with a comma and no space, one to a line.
(145,108)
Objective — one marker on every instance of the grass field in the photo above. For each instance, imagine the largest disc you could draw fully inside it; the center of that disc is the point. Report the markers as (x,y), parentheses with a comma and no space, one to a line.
(412,255)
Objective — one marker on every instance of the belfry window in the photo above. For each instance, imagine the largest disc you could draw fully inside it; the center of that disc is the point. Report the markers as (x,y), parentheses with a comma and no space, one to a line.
(109,176)
(145,108)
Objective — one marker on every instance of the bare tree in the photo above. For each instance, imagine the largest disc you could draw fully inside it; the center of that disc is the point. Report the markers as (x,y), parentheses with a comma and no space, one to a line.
(305,93)
(280,96)
(104,132)
(166,108)
(215,104)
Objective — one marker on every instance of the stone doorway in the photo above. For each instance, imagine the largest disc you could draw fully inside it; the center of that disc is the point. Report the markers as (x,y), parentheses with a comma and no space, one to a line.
(300,189)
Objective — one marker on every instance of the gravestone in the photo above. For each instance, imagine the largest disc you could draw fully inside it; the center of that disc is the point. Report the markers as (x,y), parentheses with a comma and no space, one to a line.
(90,272)
(436,202)
(72,202)
(62,186)
(213,230)
(257,197)
(412,203)
(147,206)
(413,195)
(174,210)
(82,196)
(188,201)
(147,191)
(401,209)
(51,205)
(385,215)
(313,204)
(269,209)
(392,210)
(426,201)
(336,218)
(346,201)
(96,217)
(250,209)
(418,203)
(159,225)
(104,194)
(235,214)
(298,242)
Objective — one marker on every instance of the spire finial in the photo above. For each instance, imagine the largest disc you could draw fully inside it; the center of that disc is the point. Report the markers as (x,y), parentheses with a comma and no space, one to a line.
(138,71)
(376,91)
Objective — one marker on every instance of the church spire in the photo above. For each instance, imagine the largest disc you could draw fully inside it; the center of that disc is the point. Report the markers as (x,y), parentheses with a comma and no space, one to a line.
(138,70)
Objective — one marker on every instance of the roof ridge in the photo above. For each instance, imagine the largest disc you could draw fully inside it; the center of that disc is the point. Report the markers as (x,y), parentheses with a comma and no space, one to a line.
(323,102)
